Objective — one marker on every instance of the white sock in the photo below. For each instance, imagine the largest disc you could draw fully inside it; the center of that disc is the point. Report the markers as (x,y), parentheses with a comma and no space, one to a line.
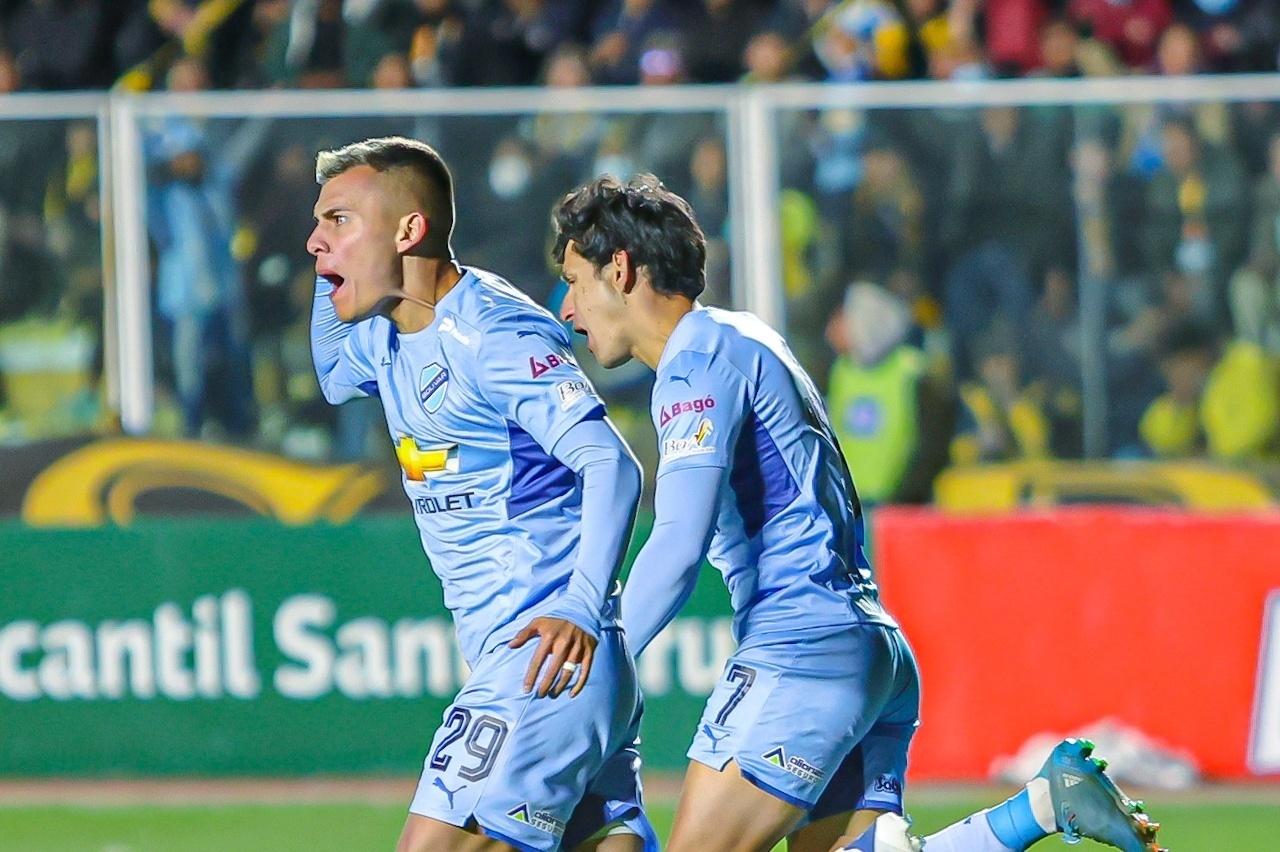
(1042,804)
(972,835)
(975,834)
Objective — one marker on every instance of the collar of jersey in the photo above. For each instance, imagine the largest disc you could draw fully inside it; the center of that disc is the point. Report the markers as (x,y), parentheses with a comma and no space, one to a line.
(446,301)
(674,343)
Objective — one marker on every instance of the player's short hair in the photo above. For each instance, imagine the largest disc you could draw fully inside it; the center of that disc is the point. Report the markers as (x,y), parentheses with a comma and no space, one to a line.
(651,223)
(429,179)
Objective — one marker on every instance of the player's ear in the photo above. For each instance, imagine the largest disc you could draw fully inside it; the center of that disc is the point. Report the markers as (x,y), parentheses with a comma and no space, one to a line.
(411,231)
(624,272)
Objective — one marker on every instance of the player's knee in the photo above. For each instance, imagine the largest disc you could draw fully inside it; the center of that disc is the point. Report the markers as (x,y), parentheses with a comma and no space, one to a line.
(427,835)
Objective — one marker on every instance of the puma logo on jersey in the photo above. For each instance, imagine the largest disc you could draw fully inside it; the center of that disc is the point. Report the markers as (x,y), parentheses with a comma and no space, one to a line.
(711,735)
(450,793)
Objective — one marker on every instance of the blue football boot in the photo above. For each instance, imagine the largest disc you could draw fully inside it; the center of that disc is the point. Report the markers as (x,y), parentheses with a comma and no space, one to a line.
(1087,804)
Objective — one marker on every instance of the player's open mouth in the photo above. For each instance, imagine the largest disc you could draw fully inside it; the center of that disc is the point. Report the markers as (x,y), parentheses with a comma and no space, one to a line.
(336,281)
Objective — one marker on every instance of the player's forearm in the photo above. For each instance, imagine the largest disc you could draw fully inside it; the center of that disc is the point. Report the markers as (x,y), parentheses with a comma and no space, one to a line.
(610,492)
(666,570)
(328,334)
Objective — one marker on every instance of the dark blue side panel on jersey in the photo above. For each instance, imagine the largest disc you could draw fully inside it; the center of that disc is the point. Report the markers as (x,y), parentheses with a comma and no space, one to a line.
(369,388)
(535,476)
(761,481)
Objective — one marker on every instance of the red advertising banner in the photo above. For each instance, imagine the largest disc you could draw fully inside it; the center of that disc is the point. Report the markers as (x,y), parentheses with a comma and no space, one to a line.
(1049,622)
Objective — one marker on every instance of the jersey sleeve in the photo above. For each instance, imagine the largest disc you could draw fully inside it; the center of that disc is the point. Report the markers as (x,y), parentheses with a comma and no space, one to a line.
(340,351)
(699,402)
(527,371)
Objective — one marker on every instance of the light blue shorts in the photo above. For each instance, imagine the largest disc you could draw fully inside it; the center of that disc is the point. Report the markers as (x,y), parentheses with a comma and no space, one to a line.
(539,773)
(823,724)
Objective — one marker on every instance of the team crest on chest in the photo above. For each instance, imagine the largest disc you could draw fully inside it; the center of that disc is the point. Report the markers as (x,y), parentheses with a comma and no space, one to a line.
(432,384)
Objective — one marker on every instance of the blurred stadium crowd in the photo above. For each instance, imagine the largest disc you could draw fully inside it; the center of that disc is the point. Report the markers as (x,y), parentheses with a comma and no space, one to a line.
(84,44)
(933,260)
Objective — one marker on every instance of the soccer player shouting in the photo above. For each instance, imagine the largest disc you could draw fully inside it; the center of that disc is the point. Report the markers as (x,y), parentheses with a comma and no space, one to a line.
(806,733)
(524,495)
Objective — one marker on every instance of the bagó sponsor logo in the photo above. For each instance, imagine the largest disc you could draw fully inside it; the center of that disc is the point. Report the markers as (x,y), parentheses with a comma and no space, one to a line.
(548,362)
(695,406)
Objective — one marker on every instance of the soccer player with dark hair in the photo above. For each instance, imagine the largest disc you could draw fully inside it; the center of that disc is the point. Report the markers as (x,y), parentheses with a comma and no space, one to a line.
(524,496)
(805,736)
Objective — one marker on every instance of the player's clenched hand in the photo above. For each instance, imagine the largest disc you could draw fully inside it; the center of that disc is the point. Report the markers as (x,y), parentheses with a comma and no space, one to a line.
(565,649)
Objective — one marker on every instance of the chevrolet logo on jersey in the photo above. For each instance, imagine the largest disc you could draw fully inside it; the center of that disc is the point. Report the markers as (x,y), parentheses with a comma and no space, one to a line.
(421,463)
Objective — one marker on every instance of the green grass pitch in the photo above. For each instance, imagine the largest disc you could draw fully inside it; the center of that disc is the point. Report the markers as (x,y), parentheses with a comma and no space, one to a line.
(1188,827)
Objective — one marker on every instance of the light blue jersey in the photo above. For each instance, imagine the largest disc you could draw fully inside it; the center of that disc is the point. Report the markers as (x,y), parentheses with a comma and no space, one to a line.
(474,404)
(788,539)
(819,703)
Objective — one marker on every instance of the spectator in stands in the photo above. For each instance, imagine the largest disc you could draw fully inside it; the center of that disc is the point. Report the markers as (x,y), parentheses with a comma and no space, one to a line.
(516,190)
(305,49)
(507,42)
(392,72)
(663,142)
(31,280)
(1228,407)
(1013,34)
(1171,424)
(1053,358)
(891,417)
(709,196)
(191,216)
(1193,217)
(1131,27)
(933,26)
(565,141)
(1179,54)
(429,32)
(767,58)
(1255,288)
(1008,214)
(1002,417)
(885,229)
(1059,44)
(861,40)
(1178,51)
(1253,123)
(731,24)
(60,44)
(1239,35)
(620,31)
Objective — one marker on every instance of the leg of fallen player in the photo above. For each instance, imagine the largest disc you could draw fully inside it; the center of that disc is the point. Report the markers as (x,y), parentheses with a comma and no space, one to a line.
(723,812)
(832,832)
(1071,795)
(625,842)
(423,834)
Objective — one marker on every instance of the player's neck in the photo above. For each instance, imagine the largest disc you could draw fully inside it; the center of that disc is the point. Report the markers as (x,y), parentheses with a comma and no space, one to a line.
(426,282)
(661,316)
